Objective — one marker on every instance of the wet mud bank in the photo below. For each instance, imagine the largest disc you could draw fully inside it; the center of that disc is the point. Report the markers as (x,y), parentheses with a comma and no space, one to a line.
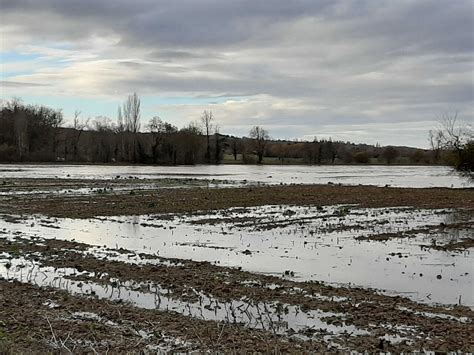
(104,200)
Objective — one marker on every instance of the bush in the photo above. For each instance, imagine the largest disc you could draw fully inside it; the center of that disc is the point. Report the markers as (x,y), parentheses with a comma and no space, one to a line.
(361,157)
(418,157)
(390,154)
(249,158)
(7,152)
(465,160)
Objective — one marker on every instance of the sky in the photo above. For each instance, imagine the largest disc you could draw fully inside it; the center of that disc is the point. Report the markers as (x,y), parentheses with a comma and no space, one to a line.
(378,71)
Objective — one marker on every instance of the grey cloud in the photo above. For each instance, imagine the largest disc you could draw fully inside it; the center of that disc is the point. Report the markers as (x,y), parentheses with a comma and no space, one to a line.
(422,25)
(363,61)
(207,22)
(16,84)
(178,55)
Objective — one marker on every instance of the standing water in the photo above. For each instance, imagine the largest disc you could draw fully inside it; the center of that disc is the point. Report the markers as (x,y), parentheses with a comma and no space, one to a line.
(380,175)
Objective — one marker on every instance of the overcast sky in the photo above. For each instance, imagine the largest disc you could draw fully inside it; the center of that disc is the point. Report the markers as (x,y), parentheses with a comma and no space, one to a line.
(363,71)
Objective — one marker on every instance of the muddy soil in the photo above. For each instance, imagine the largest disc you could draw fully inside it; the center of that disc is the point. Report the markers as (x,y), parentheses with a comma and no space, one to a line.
(434,231)
(111,202)
(43,320)
(88,186)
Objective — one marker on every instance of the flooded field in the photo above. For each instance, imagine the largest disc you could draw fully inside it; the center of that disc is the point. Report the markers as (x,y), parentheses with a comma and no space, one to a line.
(102,265)
(309,315)
(416,253)
(379,175)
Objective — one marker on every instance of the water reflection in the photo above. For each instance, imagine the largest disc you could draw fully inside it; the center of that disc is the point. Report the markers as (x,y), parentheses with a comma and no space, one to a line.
(400,176)
(275,317)
(312,243)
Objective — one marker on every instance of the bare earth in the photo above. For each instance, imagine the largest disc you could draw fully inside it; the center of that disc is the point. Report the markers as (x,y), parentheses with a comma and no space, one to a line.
(142,200)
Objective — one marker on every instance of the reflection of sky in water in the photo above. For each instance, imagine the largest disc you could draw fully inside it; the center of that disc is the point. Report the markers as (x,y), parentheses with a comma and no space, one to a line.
(273,316)
(308,245)
(401,176)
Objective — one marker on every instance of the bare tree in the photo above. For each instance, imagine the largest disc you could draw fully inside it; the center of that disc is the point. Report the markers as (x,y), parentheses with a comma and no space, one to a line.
(78,125)
(56,119)
(189,143)
(457,139)
(102,140)
(260,137)
(159,129)
(435,138)
(206,122)
(235,148)
(218,154)
(451,134)
(390,154)
(120,130)
(20,126)
(130,113)
(103,124)
(21,134)
(120,126)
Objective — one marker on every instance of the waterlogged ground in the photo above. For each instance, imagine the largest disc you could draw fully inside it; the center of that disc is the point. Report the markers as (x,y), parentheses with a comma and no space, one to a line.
(391,271)
(190,305)
(422,254)
(380,175)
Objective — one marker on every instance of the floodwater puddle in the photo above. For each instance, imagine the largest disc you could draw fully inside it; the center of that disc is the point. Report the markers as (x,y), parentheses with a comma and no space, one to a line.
(333,244)
(129,257)
(275,317)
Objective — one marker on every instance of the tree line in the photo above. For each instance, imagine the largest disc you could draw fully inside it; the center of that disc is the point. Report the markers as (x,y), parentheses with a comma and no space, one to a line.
(31,133)
(37,133)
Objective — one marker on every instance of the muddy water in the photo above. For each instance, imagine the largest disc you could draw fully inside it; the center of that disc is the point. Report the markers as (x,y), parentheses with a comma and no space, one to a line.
(306,243)
(399,176)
